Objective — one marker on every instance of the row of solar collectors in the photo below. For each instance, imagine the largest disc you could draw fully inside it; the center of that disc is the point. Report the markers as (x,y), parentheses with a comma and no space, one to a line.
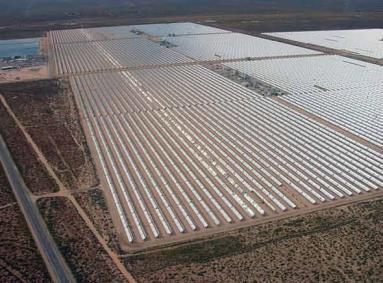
(312,74)
(359,111)
(178,170)
(367,42)
(233,46)
(122,32)
(341,90)
(107,55)
(130,91)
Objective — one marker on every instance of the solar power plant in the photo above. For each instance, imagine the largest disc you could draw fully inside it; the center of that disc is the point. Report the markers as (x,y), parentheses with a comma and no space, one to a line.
(184,152)
(341,90)
(367,42)
(233,46)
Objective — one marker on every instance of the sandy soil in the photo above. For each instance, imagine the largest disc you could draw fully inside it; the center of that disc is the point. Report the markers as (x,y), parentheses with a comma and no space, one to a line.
(24,74)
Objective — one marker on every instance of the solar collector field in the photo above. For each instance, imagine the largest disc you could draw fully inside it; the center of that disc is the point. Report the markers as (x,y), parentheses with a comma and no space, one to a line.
(133,91)
(343,91)
(183,151)
(218,162)
(359,111)
(116,54)
(313,74)
(233,46)
(367,42)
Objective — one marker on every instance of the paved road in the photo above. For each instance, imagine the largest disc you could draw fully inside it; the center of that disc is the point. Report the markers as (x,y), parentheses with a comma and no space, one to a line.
(55,263)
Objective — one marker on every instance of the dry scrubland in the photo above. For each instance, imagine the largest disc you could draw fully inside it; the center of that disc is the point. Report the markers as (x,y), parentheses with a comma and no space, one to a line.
(19,257)
(34,174)
(338,245)
(47,110)
(94,204)
(80,248)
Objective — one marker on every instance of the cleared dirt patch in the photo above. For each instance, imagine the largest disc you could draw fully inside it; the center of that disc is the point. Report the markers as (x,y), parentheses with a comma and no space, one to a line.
(24,74)
(341,244)
(34,174)
(85,256)
(47,110)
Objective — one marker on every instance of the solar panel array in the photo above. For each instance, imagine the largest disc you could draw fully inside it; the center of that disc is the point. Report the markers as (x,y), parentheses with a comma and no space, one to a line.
(359,111)
(225,161)
(114,54)
(183,150)
(367,42)
(83,50)
(343,91)
(125,97)
(233,46)
(313,74)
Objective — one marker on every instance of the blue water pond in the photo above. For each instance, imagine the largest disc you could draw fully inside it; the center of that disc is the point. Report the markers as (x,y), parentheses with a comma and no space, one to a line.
(19,47)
